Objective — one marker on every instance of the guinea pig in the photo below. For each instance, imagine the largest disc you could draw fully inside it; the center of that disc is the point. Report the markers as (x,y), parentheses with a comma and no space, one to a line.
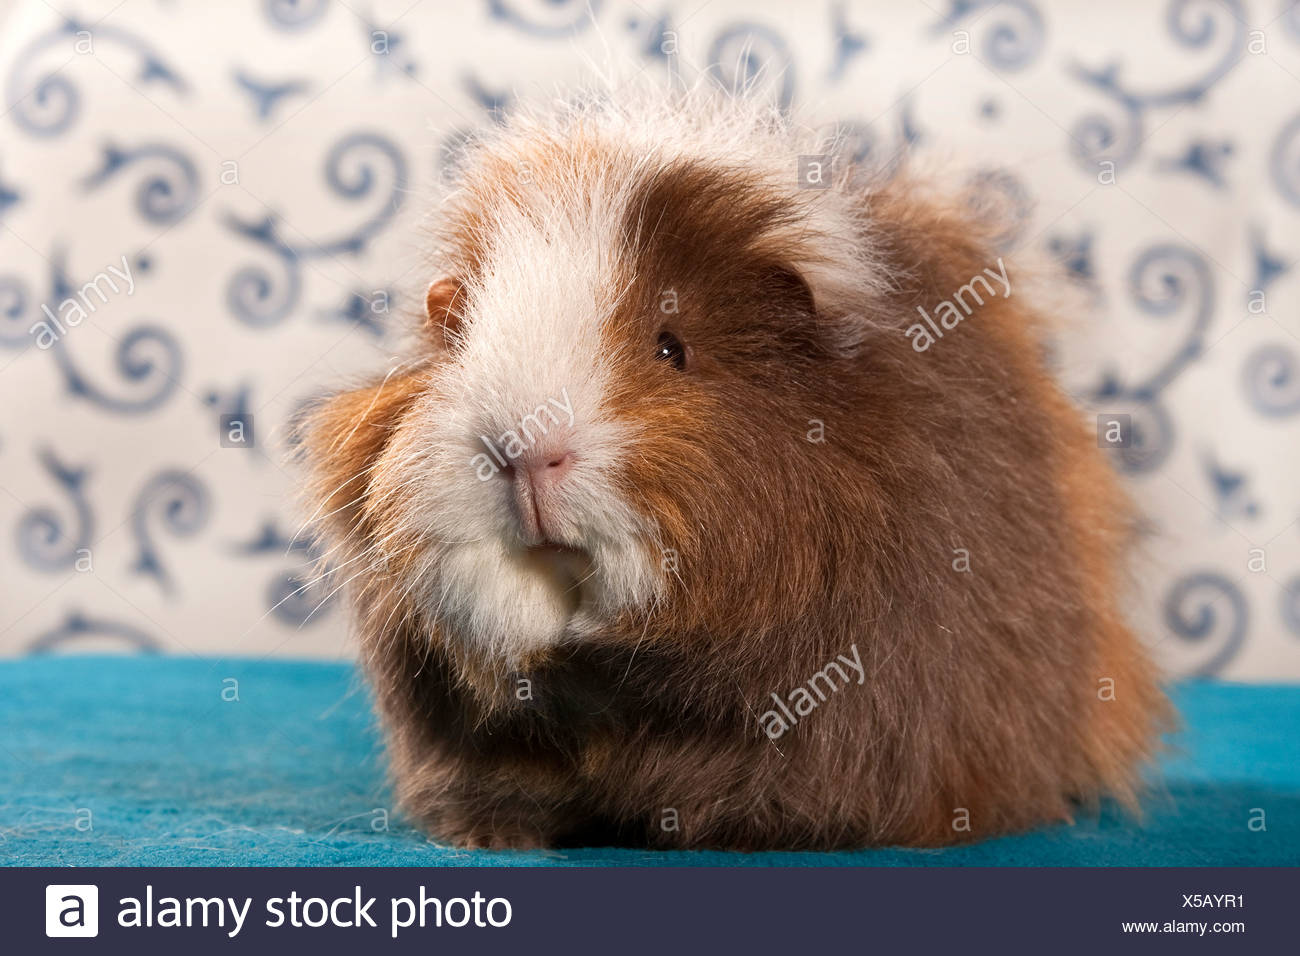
(725,500)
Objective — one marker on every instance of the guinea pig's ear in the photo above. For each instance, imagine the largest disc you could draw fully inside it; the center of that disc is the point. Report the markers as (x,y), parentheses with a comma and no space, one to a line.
(442,304)
(787,286)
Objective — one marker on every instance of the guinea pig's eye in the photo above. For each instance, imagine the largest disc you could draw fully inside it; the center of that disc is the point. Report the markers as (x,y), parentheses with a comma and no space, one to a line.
(670,349)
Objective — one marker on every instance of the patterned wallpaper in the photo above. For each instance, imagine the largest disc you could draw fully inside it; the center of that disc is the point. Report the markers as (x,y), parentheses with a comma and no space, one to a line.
(210,212)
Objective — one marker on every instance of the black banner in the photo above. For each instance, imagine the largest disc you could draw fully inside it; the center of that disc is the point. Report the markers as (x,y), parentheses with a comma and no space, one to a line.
(654,910)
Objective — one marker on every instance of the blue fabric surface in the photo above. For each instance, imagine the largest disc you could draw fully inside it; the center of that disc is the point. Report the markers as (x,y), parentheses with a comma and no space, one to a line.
(140,761)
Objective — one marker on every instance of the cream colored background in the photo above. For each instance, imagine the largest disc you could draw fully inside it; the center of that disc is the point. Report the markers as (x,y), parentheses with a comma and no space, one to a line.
(972,111)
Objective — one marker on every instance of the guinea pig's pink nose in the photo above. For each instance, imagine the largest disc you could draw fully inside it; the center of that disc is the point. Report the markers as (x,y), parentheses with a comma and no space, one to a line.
(546,466)
(537,475)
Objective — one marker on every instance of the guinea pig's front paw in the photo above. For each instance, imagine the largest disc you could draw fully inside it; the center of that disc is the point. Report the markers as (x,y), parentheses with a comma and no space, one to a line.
(471,832)
(496,838)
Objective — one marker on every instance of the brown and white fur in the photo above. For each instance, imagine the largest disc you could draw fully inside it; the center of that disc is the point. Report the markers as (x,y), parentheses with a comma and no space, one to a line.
(578,646)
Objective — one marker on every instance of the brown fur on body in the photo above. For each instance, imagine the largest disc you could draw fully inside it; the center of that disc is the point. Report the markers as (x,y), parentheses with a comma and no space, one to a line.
(982,688)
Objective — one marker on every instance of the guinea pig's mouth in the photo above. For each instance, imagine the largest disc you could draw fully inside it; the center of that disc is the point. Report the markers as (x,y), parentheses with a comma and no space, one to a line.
(557,550)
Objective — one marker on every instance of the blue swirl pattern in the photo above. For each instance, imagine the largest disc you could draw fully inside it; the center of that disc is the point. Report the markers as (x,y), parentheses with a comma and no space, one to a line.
(1164,280)
(9,196)
(260,299)
(1206,609)
(48,542)
(1272,381)
(165,197)
(300,596)
(47,104)
(294,15)
(1194,24)
(1015,38)
(78,629)
(1285,161)
(1291,605)
(745,55)
(178,503)
(547,19)
(255,166)
(148,358)
(267,96)
(15,309)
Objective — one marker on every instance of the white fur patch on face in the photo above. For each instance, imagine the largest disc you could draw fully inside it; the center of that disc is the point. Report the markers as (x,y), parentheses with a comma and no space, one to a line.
(545,257)
(531,365)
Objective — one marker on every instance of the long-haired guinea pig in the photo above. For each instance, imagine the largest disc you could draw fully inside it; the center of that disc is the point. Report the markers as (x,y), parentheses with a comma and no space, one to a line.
(727,502)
